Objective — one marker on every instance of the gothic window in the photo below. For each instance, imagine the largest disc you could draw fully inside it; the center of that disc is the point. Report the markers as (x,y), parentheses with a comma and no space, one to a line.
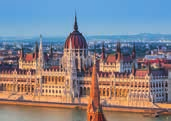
(91,118)
(88,91)
(84,91)
(52,79)
(76,62)
(107,91)
(157,85)
(101,94)
(166,84)
(103,91)
(81,91)
(112,93)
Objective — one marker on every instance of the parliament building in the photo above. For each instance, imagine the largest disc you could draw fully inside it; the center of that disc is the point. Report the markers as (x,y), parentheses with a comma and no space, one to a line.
(120,81)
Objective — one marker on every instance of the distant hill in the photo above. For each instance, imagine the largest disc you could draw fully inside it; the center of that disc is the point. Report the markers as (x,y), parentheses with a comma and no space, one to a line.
(141,36)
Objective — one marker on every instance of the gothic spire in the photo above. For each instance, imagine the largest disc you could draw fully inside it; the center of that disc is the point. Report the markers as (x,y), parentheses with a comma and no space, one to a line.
(133,47)
(133,51)
(40,46)
(51,50)
(118,47)
(149,68)
(94,52)
(133,68)
(103,52)
(36,49)
(41,57)
(118,51)
(75,23)
(22,51)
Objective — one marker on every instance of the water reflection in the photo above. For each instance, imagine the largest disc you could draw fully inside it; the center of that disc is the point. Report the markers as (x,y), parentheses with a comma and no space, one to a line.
(22,113)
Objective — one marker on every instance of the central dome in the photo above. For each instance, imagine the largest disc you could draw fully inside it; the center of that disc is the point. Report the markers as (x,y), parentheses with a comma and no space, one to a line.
(76,38)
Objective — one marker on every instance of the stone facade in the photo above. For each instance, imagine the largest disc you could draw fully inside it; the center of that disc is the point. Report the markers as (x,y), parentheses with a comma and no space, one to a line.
(120,81)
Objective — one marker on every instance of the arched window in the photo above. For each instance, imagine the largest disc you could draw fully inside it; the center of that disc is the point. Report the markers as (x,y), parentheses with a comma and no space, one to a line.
(81,91)
(84,90)
(88,91)
(103,91)
(91,118)
(107,91)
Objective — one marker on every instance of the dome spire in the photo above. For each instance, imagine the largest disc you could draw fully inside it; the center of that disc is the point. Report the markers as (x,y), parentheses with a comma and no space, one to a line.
(75,23)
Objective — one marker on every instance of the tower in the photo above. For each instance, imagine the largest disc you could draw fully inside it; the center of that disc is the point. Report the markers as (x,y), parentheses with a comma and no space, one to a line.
(94,110)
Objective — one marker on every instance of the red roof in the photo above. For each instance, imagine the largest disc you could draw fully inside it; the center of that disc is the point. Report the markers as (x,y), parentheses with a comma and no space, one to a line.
(111,59)
(77,41)
(54,67)
(141,73)
(29,57)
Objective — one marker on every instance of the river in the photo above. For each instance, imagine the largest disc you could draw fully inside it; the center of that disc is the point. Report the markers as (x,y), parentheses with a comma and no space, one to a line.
(26,113)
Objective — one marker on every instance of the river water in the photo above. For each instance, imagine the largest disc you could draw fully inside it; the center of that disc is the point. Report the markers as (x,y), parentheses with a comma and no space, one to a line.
(25,113)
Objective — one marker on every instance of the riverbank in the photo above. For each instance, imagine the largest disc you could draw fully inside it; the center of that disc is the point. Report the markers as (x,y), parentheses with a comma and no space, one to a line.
(84,106)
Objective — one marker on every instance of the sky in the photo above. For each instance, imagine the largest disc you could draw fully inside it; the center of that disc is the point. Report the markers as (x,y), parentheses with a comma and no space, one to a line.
(95,17)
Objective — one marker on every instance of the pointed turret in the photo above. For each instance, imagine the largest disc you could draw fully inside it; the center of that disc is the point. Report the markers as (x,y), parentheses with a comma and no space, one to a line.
(149,68)
(75,23)
(94,110)
(41,56)
(94,52)
(118,51)
(103,53)
(133,69)
(36,51)
(118,47)
(51,51)
(22,52)
(133,52)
